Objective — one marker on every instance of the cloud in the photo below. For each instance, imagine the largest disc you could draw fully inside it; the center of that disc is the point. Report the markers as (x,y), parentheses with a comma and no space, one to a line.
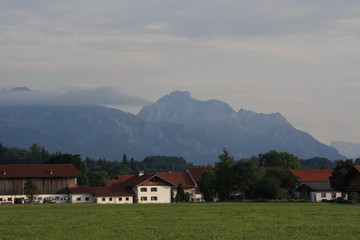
(91,96)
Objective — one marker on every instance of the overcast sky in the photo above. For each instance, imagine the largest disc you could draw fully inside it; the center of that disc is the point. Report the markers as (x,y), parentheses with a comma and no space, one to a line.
(299,58)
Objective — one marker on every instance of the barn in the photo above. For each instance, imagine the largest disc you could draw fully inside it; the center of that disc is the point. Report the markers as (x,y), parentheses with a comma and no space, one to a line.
(52,181)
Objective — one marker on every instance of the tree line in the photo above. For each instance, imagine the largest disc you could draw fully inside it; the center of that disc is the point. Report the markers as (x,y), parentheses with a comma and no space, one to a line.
(94,172)
(266,176)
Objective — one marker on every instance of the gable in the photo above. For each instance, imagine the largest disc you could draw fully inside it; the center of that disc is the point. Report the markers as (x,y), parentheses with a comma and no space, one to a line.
(155,181)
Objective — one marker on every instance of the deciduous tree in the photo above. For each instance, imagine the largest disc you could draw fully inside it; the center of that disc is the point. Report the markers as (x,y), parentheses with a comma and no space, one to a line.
(30,190)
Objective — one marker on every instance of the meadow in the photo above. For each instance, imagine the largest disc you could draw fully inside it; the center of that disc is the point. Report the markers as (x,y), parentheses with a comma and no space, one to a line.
(223,221)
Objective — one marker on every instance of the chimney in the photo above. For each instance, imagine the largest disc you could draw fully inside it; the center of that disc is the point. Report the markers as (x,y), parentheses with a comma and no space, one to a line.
(141,173)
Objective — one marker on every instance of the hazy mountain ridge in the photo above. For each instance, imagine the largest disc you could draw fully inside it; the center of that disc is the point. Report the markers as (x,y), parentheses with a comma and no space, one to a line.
(244,132)
(350,150)
(176,125)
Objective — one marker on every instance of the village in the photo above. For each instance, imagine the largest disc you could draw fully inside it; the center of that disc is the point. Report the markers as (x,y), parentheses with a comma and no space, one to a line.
(57,183)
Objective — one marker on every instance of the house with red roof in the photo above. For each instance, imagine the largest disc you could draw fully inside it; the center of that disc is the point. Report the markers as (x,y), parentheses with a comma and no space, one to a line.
(100,195)
(177,178)
(315,184)
(140,188)
(195,175)
(52,181)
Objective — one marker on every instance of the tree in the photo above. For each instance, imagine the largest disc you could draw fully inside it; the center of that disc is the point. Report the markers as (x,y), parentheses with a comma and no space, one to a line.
(269,188)
(125,160)
(100,179)
(337,178)
(180,194)
(245,175)
(279,159)
(30,190)
(287,180)
(223,180)
(206,185)
(317,162)
(73,159)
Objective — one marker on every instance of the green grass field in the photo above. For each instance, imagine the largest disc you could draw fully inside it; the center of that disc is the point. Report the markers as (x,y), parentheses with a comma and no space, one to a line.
(181,221)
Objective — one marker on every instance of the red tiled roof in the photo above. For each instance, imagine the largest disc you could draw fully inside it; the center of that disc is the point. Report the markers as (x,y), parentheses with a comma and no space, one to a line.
(357,167)
(312,175)
(176,178)
(197,172)
(38,170)
(119,179)
(102,191)
(137,180)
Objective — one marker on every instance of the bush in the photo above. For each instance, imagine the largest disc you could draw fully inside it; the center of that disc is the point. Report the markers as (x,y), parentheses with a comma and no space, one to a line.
(353,197)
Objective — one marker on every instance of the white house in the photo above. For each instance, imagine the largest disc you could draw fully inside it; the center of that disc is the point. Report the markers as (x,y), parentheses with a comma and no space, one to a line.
(315,184)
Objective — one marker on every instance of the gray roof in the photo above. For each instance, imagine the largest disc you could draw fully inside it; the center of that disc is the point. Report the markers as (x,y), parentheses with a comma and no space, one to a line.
(319,186)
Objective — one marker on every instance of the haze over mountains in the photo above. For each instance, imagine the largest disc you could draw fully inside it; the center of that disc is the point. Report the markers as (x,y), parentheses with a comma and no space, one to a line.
(350,150)
(175,125)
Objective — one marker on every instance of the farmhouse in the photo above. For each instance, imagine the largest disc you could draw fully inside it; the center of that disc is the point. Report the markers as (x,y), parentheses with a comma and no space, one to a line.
(315,184)
(141,188)
(52,181)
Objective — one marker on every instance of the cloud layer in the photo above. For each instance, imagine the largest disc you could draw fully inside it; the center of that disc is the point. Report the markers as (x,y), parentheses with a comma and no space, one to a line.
(96,96)
(299,58)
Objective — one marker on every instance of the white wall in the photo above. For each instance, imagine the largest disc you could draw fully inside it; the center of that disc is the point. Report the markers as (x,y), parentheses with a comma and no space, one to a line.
(59,198)
(81,198)
(163,194)
(114,199)
(318,196)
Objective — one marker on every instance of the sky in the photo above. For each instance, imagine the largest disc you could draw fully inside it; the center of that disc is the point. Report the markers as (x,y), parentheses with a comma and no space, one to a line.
(299,58)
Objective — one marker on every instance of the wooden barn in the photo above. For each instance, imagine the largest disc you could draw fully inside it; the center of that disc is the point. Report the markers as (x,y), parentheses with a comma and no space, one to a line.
(49,178)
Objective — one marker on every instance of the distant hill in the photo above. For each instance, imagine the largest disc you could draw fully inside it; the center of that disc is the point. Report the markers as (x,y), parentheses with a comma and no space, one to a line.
(176,125)
(350,150)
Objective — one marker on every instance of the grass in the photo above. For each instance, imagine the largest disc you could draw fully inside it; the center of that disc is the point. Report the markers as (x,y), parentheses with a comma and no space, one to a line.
(181,221)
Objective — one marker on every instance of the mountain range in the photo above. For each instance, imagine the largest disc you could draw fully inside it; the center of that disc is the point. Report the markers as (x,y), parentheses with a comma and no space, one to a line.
(175,125)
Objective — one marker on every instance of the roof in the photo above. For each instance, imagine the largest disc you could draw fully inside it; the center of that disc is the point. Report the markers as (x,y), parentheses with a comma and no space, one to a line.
(136,180)
(119,179)
(357,167)
(176,178)
(38,170)
(312,175)
(196,173)
(101,191)
(318,186)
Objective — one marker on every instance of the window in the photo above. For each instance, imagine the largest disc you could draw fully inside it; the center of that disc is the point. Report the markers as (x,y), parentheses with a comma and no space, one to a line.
(323,195)
(39,198)
(57,198)
(127,198)
(110,199)
(120,199)
(9,199)
(333,195)
(78,199)
(154,189)
(154,198)
(103,199)
(143,189)
(143,198)
(1,199)
(87,199)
